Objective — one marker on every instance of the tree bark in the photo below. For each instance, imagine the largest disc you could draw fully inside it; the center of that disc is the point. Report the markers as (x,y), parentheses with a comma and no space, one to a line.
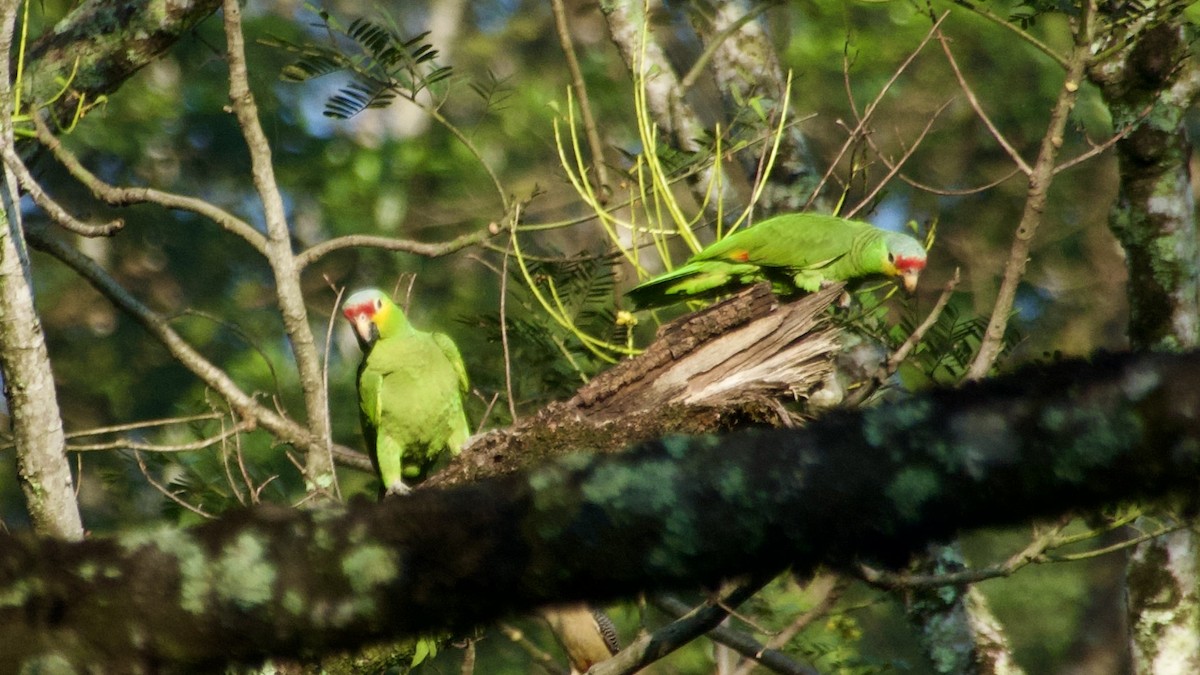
(681,512)
(1149,83)
(42,467)
(102,43)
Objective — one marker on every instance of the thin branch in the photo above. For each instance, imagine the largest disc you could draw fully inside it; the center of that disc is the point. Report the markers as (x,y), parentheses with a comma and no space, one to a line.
(1034,552)
(317,251)
(603,189)
(913,340)
(169,494)
(237,493)
(756,654)
(1035,201)
(130,444)
(145,424)
(1003,22)
(698,68)
(893,170)
(979,111)
(650,648)
(541,657)
(508,380)
(47,203)
(830,589)
(121,196)
(282,427)
(337,302)
(319,472)
(869,111)
(946,192)
(1108,143)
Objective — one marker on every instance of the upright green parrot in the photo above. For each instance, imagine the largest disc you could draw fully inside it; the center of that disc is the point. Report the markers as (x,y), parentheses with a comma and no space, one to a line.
(410,391)
(795,251)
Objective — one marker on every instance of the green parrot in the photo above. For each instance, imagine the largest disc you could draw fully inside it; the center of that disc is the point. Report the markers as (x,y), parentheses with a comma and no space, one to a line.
(794,251)
(410,391)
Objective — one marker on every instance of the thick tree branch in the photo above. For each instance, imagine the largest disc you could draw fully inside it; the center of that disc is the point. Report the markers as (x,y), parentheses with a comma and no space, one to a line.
(37,430)
(729,363)
(100,44)
(681,512)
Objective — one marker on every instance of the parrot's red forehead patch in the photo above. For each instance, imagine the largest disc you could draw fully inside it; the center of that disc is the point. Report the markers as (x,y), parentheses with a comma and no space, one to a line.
(351,312)
(909,263)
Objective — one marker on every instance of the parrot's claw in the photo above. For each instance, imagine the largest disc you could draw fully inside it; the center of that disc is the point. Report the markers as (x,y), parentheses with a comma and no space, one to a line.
(397,489)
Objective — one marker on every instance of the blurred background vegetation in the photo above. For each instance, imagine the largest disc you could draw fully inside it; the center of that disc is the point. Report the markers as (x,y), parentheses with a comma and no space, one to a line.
(396,171)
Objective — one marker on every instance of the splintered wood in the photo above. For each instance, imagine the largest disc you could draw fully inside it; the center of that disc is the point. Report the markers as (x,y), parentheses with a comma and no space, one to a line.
(736,361)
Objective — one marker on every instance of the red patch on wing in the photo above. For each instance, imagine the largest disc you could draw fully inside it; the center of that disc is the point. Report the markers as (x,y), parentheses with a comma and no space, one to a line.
(907,263)
(740,255)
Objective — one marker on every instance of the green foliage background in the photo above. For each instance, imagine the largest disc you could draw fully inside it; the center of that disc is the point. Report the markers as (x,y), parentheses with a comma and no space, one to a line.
(167,128)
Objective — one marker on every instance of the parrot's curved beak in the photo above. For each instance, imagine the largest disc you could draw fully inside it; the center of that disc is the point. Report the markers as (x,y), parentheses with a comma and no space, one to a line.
(365,329)
(909,279)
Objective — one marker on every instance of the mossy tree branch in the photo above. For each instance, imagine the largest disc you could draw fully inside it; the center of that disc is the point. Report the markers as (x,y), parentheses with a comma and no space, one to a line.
(874,485)
(102,43)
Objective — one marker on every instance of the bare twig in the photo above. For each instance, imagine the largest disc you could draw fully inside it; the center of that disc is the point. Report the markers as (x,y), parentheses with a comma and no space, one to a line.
(508,380)
(57,213)
(237,493)
(585,107)
(1100,148)
(755,654)
(1009,25)
(169,494)
(828,588)
(243,404)
(863,119)
(317,251)
(716,41)
(120,196)
(131,444)
(145,424)
(337,302)
(913,340)
(894,169)
(540,657)
(319,472)
(979,111)
(1035,201)
(650,648)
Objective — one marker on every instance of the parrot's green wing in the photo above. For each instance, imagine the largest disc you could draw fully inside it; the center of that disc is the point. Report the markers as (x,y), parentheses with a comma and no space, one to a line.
(795,241)
(451,351)
(795,250)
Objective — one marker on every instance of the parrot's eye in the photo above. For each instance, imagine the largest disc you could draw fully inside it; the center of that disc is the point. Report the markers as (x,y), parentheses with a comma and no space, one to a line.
(891,257)
(378,303)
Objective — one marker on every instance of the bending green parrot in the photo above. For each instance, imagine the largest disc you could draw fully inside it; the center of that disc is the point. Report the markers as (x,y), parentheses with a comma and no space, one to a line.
(410,391)
(795,251)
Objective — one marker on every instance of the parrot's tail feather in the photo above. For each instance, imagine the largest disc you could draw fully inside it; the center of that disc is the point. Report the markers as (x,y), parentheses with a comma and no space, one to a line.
(700,279)
(659,290)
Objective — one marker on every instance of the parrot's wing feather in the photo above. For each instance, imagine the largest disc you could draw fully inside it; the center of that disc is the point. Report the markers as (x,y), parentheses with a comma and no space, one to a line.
(370,389)
(452,354)
(386,452)
(794,241)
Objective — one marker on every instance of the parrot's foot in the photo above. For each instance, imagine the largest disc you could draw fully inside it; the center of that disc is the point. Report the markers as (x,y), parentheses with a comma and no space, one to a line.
(397,489)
